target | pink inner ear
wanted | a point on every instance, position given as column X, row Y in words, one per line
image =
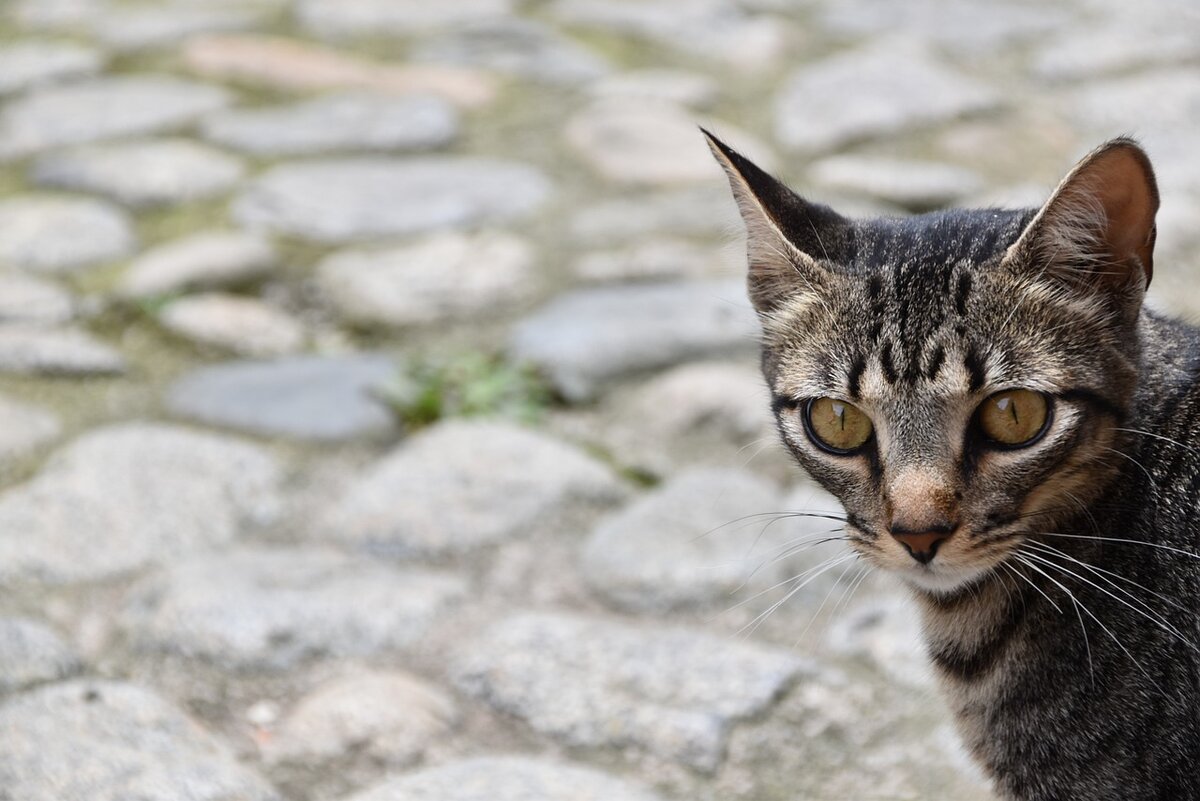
column 1125, row 187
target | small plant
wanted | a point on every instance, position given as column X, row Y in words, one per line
column 466, row 385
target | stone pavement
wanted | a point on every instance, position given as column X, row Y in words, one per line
column 229, row 570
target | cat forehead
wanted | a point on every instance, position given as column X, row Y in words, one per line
column 956, row 236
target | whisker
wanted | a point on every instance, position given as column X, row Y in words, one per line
column 1121, row 540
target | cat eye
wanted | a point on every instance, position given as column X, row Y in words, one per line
column 1015, row 417
column 836, row 426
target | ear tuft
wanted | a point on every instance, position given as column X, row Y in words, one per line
column 1097, row 229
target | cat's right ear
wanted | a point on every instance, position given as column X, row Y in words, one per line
column 785, row 234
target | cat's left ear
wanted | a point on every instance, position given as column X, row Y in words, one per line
column 1097, row 229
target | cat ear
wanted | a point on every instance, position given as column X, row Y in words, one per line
column 1097, row 229
column 785, row 233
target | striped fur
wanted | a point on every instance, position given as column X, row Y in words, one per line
column 1061, row 615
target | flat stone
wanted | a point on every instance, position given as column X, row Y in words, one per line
column 349, row 199
column 446, row 276
column 320, row 398
column 885, row 631
column 683, row 212
column 712, row 29
column 256, row 609
column 506, row 778
column 25, row 429
column 56, row 351
column 657, row 259
column 394, row 17
column 445, row 490
column 25, row 65
column 51, row 14
column 104, row 108
column 144, row 173
column 389, row 717
column 31, row 653
column 129, row 29
column 913, row 185
column 585, row 338
column 897, row 86
column 652, row 143
column 341, row 122
column 28, row 300
column 244, row 326
column 108, row 741
column 62, row 235
column 1111, row 49
column 677, row 87
column 204, row 260
column 674, row 692
column 126, row 496
column 290, row 65
column 518, row 47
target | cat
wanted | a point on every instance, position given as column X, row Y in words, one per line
column 1015, row 436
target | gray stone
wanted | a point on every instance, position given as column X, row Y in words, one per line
column 914, row 185
column 394, row 17
column 141, row 28
column 105, row 108
column 205, row 260
column 244, row 326
column 678, row 87
column 653, row 143
column 695, row 212
column 708, row 28
column 587, row 337
column 56, row 351
column 25, row 65
column 32, row 654
column 24, row 429
column 107, row 741
column 50, row 14
column 1112, row 49
column 674, row 692
column 25, row 299
column 349, row 199
column 254, row 608
column 321, row 398
column 510, row 778
column 144, row 173
column 390, row 717
column 657, row 259
column 692, row 542
column 126, row 496
column 446, row 276
column 896, row 86
column 515, row 47
column 886, row 632
column 62, row 235
column 338, row 122
column 448, row 491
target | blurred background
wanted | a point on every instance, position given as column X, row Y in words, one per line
column 379, row 408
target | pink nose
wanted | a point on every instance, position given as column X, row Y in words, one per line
column 924, row 545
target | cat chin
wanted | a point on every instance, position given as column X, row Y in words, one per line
column 941, row 580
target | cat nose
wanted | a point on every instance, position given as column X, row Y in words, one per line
column 923, row 545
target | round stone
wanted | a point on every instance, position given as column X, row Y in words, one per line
column 394, row 17
column 446, row 276
column 652, row 143
column 344, row 200
column 32, row 654
column 240, row 325
column 107, row 741
column 673, row 87
column 144, row 173
column 28, row 64
column 506, row 779
column 204, row 260
column 272, row 609
column 341, row 122
column 445, row 491
column 658, row 258
column 25, row 299
column 62, row 235
column 319, row 398
column 105, row 108
column 389, row 717
column 516, row 47
column 129, row 29
column 56, row 351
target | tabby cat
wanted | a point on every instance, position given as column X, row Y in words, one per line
column 1016, row 437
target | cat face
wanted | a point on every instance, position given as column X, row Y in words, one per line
column 955, row 379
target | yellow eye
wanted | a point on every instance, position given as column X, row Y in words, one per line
column 836, row 425
column 1014, row 417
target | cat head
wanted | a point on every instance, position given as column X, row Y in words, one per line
column 954, row 378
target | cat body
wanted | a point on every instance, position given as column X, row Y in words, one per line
column 1018, row 439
